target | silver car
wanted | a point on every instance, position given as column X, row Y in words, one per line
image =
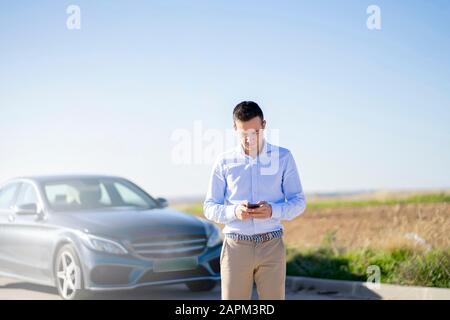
column 97, row 233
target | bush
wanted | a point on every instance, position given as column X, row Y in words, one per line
column 402, row 266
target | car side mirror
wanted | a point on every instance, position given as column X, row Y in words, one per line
column 26, row 210
column 163, row 203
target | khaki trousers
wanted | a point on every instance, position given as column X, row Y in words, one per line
column 243, row 261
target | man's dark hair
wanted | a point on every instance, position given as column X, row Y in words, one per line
column 247, row 110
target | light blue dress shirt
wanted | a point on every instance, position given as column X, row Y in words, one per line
column 272, row 176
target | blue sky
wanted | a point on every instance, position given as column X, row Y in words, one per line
column 359, row 109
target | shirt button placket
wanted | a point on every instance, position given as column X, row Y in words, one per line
column 254, row 165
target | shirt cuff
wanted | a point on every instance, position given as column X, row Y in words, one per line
column 230, row 212
column 276, row 210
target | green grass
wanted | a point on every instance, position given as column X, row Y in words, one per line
column 197, row 209
column 401, row 266
column 420, row 198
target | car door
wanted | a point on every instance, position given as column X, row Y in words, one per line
column 28, row 237
column 8, row 193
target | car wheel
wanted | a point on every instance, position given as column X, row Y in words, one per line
column 69, row 275
column 202, row 285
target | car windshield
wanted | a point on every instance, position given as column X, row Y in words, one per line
column 83, row 194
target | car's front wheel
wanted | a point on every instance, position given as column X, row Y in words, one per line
column 202, row 285
column 69, row 275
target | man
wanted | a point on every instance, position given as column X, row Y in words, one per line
column 253, row 188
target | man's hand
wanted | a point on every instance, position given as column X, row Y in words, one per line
column 241, row 211
column 263, row 212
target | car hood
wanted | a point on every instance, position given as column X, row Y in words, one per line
column 133, row 224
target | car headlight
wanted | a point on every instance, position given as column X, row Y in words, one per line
column 104, row 245
column 213, row 233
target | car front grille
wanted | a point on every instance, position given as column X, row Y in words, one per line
column 170, row 247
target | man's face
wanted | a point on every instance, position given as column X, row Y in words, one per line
column 251, row 133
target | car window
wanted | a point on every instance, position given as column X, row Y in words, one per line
column 27, row 195
column 84, row 194
column 75, row 195
column 129, row 197
column 7, row 194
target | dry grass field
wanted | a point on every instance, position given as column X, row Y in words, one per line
column 377, row 226
column 379, row 220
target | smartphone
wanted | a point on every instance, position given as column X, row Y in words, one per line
column 253, row 205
